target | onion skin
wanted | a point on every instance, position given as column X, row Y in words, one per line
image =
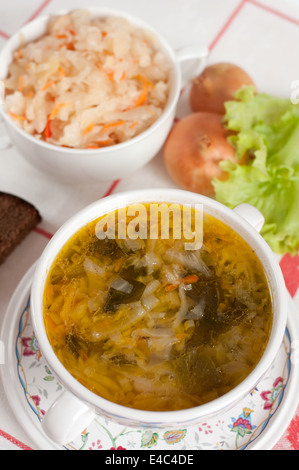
column 193, row 150
column 216, row 85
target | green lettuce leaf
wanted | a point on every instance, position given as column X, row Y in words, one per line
column 266, row 137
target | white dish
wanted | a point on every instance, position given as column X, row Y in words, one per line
column 75, row 408
column 31, row 387
column 116, row 161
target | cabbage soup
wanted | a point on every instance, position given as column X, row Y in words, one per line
column 149, row 325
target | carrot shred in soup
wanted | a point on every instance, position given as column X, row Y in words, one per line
column 149, row 325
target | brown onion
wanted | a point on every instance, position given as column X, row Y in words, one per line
column 216, row 85
column 193, row 150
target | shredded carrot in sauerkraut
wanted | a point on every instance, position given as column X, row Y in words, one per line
column 56, row 109
column 107, row 127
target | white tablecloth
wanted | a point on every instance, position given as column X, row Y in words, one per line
column 261, row 36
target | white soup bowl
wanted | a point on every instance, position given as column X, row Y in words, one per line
column 77, row 406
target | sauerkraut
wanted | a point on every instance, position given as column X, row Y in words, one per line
column 88, row 83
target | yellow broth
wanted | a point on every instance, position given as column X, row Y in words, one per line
column 150, row 325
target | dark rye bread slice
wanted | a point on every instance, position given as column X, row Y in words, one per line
column 17, row 219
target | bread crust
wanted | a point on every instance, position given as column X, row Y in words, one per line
column 17, row 219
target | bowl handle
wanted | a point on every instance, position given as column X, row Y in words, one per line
column 196, row 57
column 252, row 215
column 66, row 418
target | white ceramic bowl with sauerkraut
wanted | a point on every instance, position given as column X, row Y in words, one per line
column 90, row 94
column 78, row 405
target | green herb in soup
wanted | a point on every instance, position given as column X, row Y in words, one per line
column 150, row 325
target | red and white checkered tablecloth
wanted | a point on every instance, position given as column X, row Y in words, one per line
column 260, row 35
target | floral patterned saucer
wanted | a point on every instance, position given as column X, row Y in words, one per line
column 257, row 422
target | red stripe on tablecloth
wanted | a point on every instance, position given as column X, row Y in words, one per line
column 227, row 24
column 32, row 17
column 14, row 441
column 290, row 270
column 112, row 188
column 4, row 35
column 274, row 12
column 43, row 232
column 39, row 10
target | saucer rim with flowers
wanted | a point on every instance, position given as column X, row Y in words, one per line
column 14, row 388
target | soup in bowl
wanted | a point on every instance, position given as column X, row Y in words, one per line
column 157, row 308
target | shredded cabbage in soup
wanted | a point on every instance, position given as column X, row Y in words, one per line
column 149, row 325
